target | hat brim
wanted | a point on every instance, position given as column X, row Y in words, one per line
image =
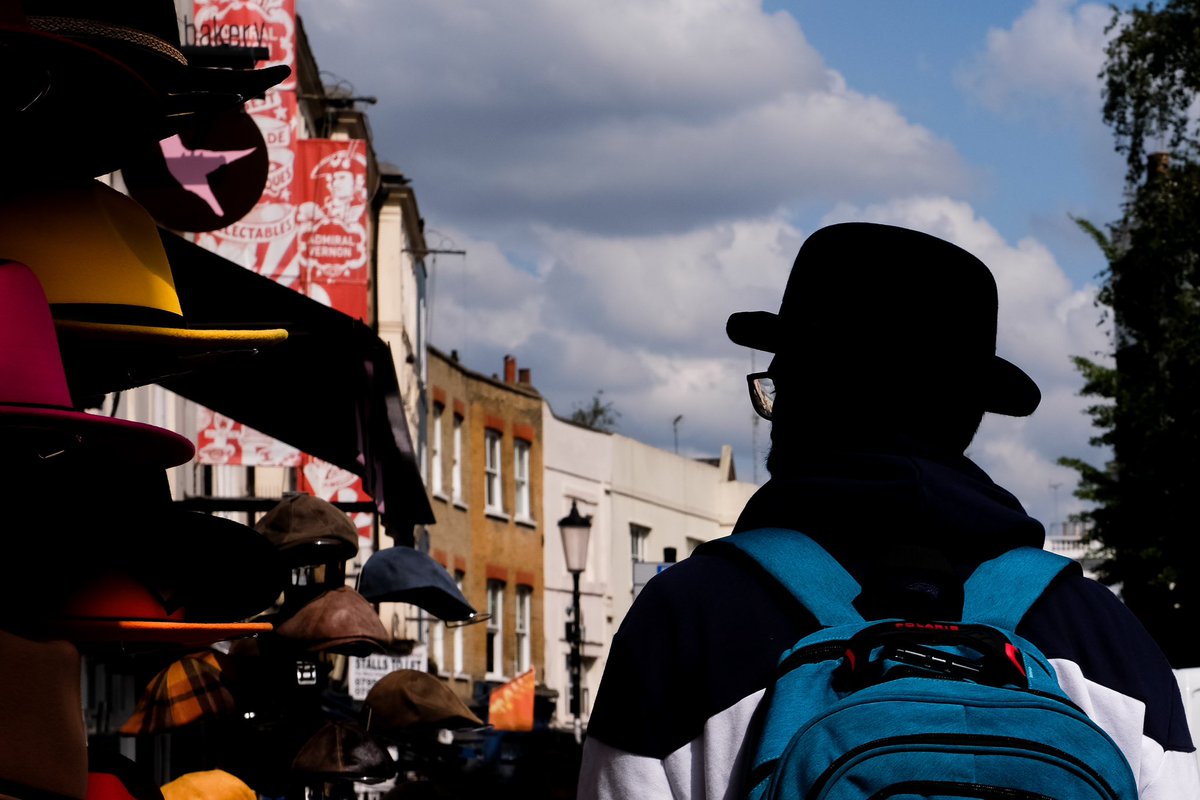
column 198, row 338
column 1006, row 388
column 121, row 441
column 137, row 631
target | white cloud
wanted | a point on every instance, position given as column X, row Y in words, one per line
column 628, row 116
column 1049, row 59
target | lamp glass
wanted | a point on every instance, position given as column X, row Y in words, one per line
column 575, row 545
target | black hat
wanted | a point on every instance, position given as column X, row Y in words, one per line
column 342, row 750
column 891, row 299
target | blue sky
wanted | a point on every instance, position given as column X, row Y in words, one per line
column 624, row 175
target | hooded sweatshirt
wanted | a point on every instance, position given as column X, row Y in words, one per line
column 674, row 716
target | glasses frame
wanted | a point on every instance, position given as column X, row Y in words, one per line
column 762, row 402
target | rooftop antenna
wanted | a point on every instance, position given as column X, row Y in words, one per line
column 675, row 427
column 754, row 428
column 1053, row 522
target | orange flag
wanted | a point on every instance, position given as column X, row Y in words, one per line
column 510, row 707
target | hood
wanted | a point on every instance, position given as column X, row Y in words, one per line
column 860, row 506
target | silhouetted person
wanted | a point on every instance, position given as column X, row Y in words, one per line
column 884, row 365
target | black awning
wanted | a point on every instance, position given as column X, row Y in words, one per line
column 330, row 390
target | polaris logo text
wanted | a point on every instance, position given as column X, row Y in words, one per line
column 927, row 626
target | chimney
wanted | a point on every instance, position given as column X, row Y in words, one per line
column 510, row 369
column 523, row 375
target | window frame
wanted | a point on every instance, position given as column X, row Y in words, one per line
column 494, row 650
column 456, row 483
column 435, row 452
column 493, row 475
column 522, row 492
column 524, row 628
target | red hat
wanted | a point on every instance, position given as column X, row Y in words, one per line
column 35, row 404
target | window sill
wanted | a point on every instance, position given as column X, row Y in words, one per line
column 526, row 522
column 460, row 503
column 461, row 676
column 440, row 496
column 492, row 676
column 497, row 513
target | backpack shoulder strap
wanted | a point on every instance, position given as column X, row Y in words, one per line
column 805, row 569
column 1001, row 591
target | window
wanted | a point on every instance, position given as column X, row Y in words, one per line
column 521, row 478
column 458, row 630
column 491, row 469
column 456, row 464
column 638, row 534
column 435, row 450
column 495, row 628
column 524, row 625
column 439, row 645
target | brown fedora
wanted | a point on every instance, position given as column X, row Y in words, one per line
column 409, row 700
column 338, row 621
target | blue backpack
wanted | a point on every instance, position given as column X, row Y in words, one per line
column 900, row 709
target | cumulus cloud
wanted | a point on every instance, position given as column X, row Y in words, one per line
column 1047, row 62
column 621, row 117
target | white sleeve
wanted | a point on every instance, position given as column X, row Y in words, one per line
column 707, row 768
column 1161, row 774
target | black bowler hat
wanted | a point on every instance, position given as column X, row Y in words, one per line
column 896, row 302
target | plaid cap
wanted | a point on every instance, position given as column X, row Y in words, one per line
column 182, row 693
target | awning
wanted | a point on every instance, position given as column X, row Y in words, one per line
column 330, row 390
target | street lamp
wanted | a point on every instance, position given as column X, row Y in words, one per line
column 575, row 529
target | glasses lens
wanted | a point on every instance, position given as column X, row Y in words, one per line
column 762, row 393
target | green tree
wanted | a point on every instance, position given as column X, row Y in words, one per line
column 1147, row 407
column 597, row 415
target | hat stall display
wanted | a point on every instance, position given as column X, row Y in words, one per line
column 43, row 742
column 409, row 701
column 102, row 265
column 340, row 621
column 309, row 531
column 406, row 575
column 904, row 298
column 36, row 408
column 343, row 751
column 213, row 784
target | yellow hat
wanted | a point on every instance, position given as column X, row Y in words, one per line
column 213, row 784
column 102, row 265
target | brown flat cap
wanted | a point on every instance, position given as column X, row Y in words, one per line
column 343, row 750
column 308, row 530
column 340, row 621
column 409, row 700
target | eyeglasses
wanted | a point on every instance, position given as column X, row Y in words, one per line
column 762, row 392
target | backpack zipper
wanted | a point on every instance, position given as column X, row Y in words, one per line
column 1010, row 742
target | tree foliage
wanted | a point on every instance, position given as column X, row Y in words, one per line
column 597, row 415
column 1147, row 407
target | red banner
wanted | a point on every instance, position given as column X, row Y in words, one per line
column 331, row 219
column 510, row 707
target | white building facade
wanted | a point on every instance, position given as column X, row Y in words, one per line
column 648, row 506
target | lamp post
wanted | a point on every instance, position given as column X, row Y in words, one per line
column 575, row 529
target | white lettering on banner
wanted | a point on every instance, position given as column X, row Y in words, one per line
column 365, row 672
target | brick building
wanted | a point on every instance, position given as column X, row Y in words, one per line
column 484, row 478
